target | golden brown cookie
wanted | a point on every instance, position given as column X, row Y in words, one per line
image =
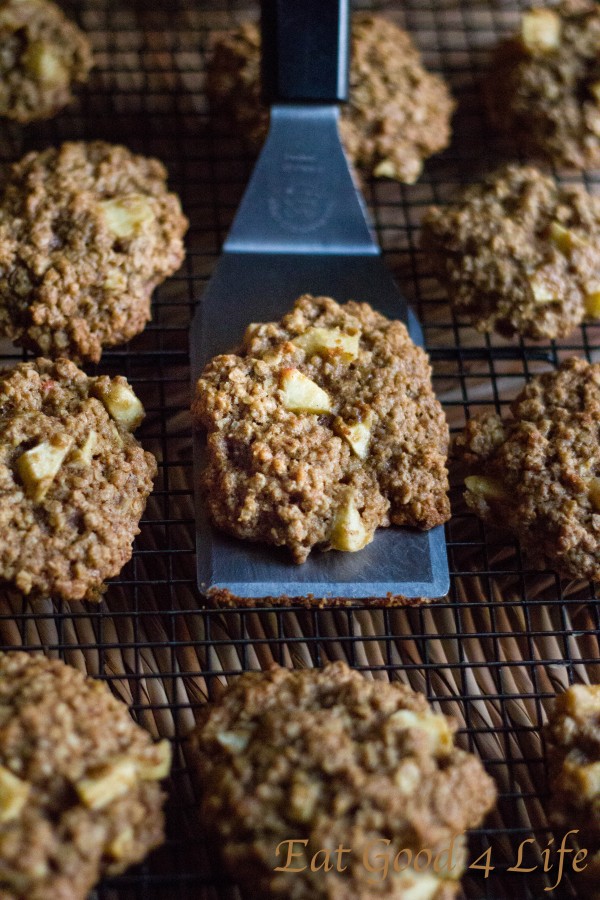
column 79, row 781
column 573, row 734
column 43, row 55
column 398, row 113
column 518, row 253
column 544, row 83
column 322, row 428
column 73, row 479
column 87, row 231
column 537, row 472
column 325, row 758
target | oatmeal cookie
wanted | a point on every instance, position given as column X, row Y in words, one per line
column 573, row 734
column 87, row 231
column 43, row 55
column 73, row 479
column 398, row 114
column 519, row 254
column 328, row 758
column 544, row 83
column 538, row 472
column 321, row 428
column 79, row 791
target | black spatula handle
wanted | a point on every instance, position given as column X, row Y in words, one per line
column 305, row 50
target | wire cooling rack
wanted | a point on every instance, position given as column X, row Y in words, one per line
column 507, row 638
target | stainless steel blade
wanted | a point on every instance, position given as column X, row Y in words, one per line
column 302, row 228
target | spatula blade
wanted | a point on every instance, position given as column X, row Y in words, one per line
column 400, row 564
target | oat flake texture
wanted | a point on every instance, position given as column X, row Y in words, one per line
column 43, row 55
column 285, row 477
column 87, row 231
column 61, row 734
column 327, row 756
column 68, row 541
column 518, row 254
column 537, row 472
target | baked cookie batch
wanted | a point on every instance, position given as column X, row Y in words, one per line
column 321, row 428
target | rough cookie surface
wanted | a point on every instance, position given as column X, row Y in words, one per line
column 573, row 734
column 544, row 84
column 87, row 231
column 79, row 792
column 43, row 55
column 398, row 113
column 519, row 254
column 538, row 472
column 326, row 756
column 323, row 427
column 73, row 479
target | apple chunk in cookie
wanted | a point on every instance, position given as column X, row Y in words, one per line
column 321, row 428
column 73, row 478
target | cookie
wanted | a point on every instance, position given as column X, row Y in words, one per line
column 73, row 479
column 398, row 114
column 573, row 734
column 324, row 758
column 544, row 84
column 321, row 428
column 87, row 231
column 79, row 791
column 518, row 254
column 537, row 472
column 43, row 55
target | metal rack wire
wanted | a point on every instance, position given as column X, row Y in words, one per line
column 507, row 637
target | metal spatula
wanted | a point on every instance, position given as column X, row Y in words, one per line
column 302, row 228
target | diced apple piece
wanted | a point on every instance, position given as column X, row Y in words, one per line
column 122, row 404
column 542, row 291
column 115, row 780
column 156, row 771
column 125, row 215
column 594, row 493
column 434, row 725
column 39, row 466
column 84, row 454
column 419, row 885
column 115, row 280
column 120, row 846
column 301, row 394
column 580, row 700
column 357, row 435
column 44, row 64
column 329, row 340
column 489, row 488
column 592, row 304
column 385, row 169
column 564, row 239
column 13, row 795
column 540, row 31
column 234, row 741
column 585, row 779
column 348, row 532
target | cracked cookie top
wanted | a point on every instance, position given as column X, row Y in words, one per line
column 43, row 55
column 79, row 791
column 327, row 757
column 321, row 428
column 73, row 479
column 398, row 114
column 87, row 231
column 518, row 253
column 537, row 472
